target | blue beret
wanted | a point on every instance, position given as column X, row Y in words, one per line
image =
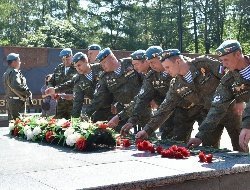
column 153, row 51
column 94, row 47
column 138, row 55
column 65, row 52
column 103, row 54
column 169, row 53
column 78, row 56
column 227, row 47
column 12, row 56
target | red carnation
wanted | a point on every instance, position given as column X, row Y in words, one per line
column 140, row 146
column 81, row 143
column 159, row 149
column 202, row 157
column 126, row 142
column 66, row 124
column 49, row 136
column 209, row 158
column 103, row 125
column 152, row 149
column 137, row 141
column 146, row 145
column 15, row 131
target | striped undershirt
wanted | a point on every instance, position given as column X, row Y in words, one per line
column 89, row 76
column 164, row 73
column 245, row 73
column 188, row 77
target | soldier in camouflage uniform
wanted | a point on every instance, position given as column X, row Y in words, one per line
column 84, row 86
column 118, row 84
column 93, row 51
column 141, row 66
column 196, row 82
column 15, row 87
column 62, row 73
column 234, row 86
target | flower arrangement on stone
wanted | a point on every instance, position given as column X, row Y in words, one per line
column 82, row 135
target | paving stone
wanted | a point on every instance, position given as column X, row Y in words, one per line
column 21, row 182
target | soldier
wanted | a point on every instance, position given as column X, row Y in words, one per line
column 15, row 87
column 196, row 82
column 84, row 85
column 93, row 51
column 62, row 73
column 118, row 84
column 234, row 86
column 141, row 66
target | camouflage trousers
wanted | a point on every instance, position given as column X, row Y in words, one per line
column 15, row 107
column 179, row 125
column 64, row 108
column 231, row 122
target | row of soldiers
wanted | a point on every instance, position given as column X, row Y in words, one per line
column 184, row 91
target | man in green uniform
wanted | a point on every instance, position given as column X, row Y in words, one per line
column 234, row 86
column 15, row 87
column 93, row 51
column 84, row 86
column 141, row 66
column 118, row 84
column 195, row 81
column 62, row 73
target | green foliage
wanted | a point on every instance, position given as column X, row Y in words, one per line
column 128, row 25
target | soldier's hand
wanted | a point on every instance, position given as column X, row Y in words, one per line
column 239, row 108
column 141, row 135
column 113, row 109
column 194, row 142
column 126, row 128
column 244, row 139
column 50, row 91
column 114, row 121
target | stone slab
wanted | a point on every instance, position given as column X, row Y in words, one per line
column 63, row 168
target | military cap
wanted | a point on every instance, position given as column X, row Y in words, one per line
column 94, row 47
column 138, row 55
column 169, row 53
column 12, row 56
column 65, row 52
column 78, row 56
column 153, row 51
column 227, row 47
column 103, row 54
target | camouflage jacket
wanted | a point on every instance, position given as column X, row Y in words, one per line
column 155, row 86
column 206, row 76
column 232, row 87
column 83, row 87
column 14, row 78
column 59, row 76
column 113, row 88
